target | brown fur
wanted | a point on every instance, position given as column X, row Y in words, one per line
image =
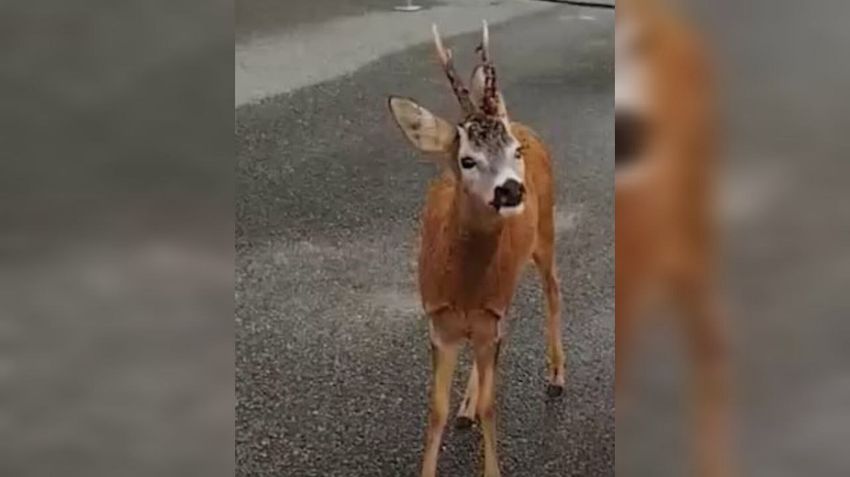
column 467, row 268
column 468, row 271
column 664, row 227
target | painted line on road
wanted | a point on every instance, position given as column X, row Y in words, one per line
column 304, row 56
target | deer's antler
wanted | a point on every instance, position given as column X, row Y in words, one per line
column 490, row 96
column 457, row 85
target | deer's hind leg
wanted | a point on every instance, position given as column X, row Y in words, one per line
column 467, row 412
column 544, row 259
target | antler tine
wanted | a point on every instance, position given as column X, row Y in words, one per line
column 445, row 57
column 484, row 47
column 460, row 91
column 490, row 97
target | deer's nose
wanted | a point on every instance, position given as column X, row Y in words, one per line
column 630, row 132
column 508, row 194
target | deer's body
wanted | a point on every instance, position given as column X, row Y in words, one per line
column 485, row 217
column 665, row 247
column 470, row 265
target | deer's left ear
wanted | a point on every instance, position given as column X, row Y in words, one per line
column 477, row 91
column 422, row 128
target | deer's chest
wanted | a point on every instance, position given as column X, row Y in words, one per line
column 472, row 271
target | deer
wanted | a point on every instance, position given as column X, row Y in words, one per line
column 488, row 214
column 665, row 248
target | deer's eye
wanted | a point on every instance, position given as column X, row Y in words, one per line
column 467, row 162
column 518, row 154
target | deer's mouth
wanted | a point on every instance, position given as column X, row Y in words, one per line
column 511, row 211
column 507, row 210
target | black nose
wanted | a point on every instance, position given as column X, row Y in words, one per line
column 508, row 194
column 630, row 133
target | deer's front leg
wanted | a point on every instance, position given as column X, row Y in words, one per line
column 544, row 259
column 486, row 343
column 443, row 359
column 705, row 328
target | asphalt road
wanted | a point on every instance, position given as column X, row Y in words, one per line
column 332, row 348
column 259, row 17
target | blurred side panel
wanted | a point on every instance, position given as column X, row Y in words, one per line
column 780, row 230
column 116, row 238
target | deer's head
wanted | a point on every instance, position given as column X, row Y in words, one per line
column 480, row 150
column 633, row 44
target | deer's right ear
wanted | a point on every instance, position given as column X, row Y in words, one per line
column 422, row 128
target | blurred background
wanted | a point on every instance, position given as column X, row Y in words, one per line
column 783, row 209
column 116, row 238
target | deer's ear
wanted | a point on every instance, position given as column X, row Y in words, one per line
column 422, row 128
column 476, row 91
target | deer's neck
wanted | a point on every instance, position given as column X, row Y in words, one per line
column 469, row 257
column 478, row 234
column 473, row 218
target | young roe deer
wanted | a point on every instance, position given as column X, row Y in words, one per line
column 487, row 215
column 664, row 232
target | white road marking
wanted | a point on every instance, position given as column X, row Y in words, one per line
column 310, row 54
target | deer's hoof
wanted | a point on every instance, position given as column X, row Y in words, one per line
column 463, row 422
column 554, row 390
